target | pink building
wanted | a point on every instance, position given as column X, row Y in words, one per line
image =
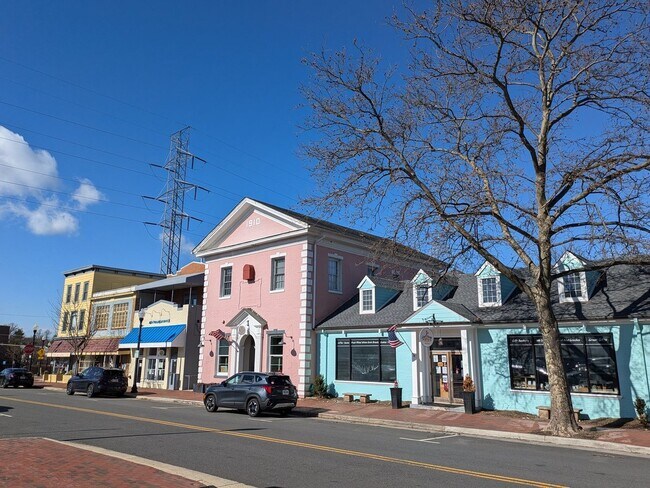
column 271, row 275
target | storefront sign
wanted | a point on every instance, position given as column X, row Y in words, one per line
column 426, row 337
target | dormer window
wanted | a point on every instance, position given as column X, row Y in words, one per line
column 367, row 301
column 421, row 295
column 489, row 291
column 422, row 289
column 494, row 289
column 572, row 286
column 577, row 285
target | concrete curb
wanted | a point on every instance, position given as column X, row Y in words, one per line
column 584, row 444
column 204, row 478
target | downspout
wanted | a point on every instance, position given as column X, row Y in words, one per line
column 643, row 354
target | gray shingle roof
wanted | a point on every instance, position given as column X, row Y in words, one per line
column 348, row 316
column 622, row 292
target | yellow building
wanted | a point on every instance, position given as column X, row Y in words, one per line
column 80, row 320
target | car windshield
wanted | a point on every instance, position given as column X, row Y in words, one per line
column 278, row 380
column 113, row 373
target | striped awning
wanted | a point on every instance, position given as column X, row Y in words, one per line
column 158, row 336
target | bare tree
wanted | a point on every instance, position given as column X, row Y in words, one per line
column 518, row 130
column 77, row 327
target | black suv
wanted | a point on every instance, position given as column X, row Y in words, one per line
column 16, row 377
column 253, row 392
column 96, row 380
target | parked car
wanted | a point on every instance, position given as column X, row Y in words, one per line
column 16, row 377
column 253, row 392
column 96, row 380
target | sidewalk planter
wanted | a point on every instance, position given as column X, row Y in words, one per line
column 469, row 402
column 65, row 378
column 396, row 397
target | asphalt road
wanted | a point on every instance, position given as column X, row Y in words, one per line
column 296, row 452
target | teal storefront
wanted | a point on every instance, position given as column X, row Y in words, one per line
column 607, row 367
column 364, row 362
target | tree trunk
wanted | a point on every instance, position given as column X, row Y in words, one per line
column 562, row 423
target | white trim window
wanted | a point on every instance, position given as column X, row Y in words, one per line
column 422, row 295
column 74, row 325
column 489, row 291
column 221, row 360
column 226, row 282
column 367, row 301
column 277, row 274
column 334, row 275
column 276, row 351
column 573, row 287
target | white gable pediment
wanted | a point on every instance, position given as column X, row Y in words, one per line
column 249, row 221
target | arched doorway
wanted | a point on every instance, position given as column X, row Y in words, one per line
column 248, row 354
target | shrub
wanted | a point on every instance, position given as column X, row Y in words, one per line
column 642, row 415
column 320, row 387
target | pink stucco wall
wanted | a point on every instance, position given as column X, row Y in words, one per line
column 281, row 309
column 255, row 226
column 355, row 268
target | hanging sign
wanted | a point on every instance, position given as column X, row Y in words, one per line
column 426, row 337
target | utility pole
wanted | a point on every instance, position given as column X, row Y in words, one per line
column 173, row 196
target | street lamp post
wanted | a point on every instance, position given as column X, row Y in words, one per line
column 31, row 356
column 134, row 388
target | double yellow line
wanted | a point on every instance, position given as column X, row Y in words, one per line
column 305, row 445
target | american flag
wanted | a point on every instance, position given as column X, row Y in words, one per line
column 392, row 337
column 218, row 334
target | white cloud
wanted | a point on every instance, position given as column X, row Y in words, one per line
column 27, row 173
column 86, row 194
column 46, row 219
column 22, row 167
column 187, row 245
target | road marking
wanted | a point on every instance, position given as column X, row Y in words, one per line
column 316, row 447
column 429, row 440
column 4, row 415
column 169, row 408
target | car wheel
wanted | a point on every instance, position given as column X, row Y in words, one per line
column 69, row 390
column 210, row 403
column 253, row 407
column 90, row 392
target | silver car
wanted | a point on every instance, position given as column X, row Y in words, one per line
column 253, row 392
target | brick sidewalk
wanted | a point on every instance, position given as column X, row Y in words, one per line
column 32, row 462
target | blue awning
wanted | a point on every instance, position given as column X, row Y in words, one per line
column 158, row 336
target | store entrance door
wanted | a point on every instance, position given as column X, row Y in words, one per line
column 447, row 376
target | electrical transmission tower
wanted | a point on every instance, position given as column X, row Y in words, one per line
column 173, row 196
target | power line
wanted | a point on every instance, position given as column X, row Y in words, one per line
column 90, row 90
column 107, row 188
column 74, row 210
column 217, row 139
column 98, row 200
column 24, row 129
column 86, row 126
column 56, row 151
column 77, row 104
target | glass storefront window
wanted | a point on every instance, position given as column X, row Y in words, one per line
column 369, row 359
column 589, row 362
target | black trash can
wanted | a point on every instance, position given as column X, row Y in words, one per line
column 396, row 397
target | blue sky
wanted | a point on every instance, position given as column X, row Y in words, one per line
column 89, row 95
